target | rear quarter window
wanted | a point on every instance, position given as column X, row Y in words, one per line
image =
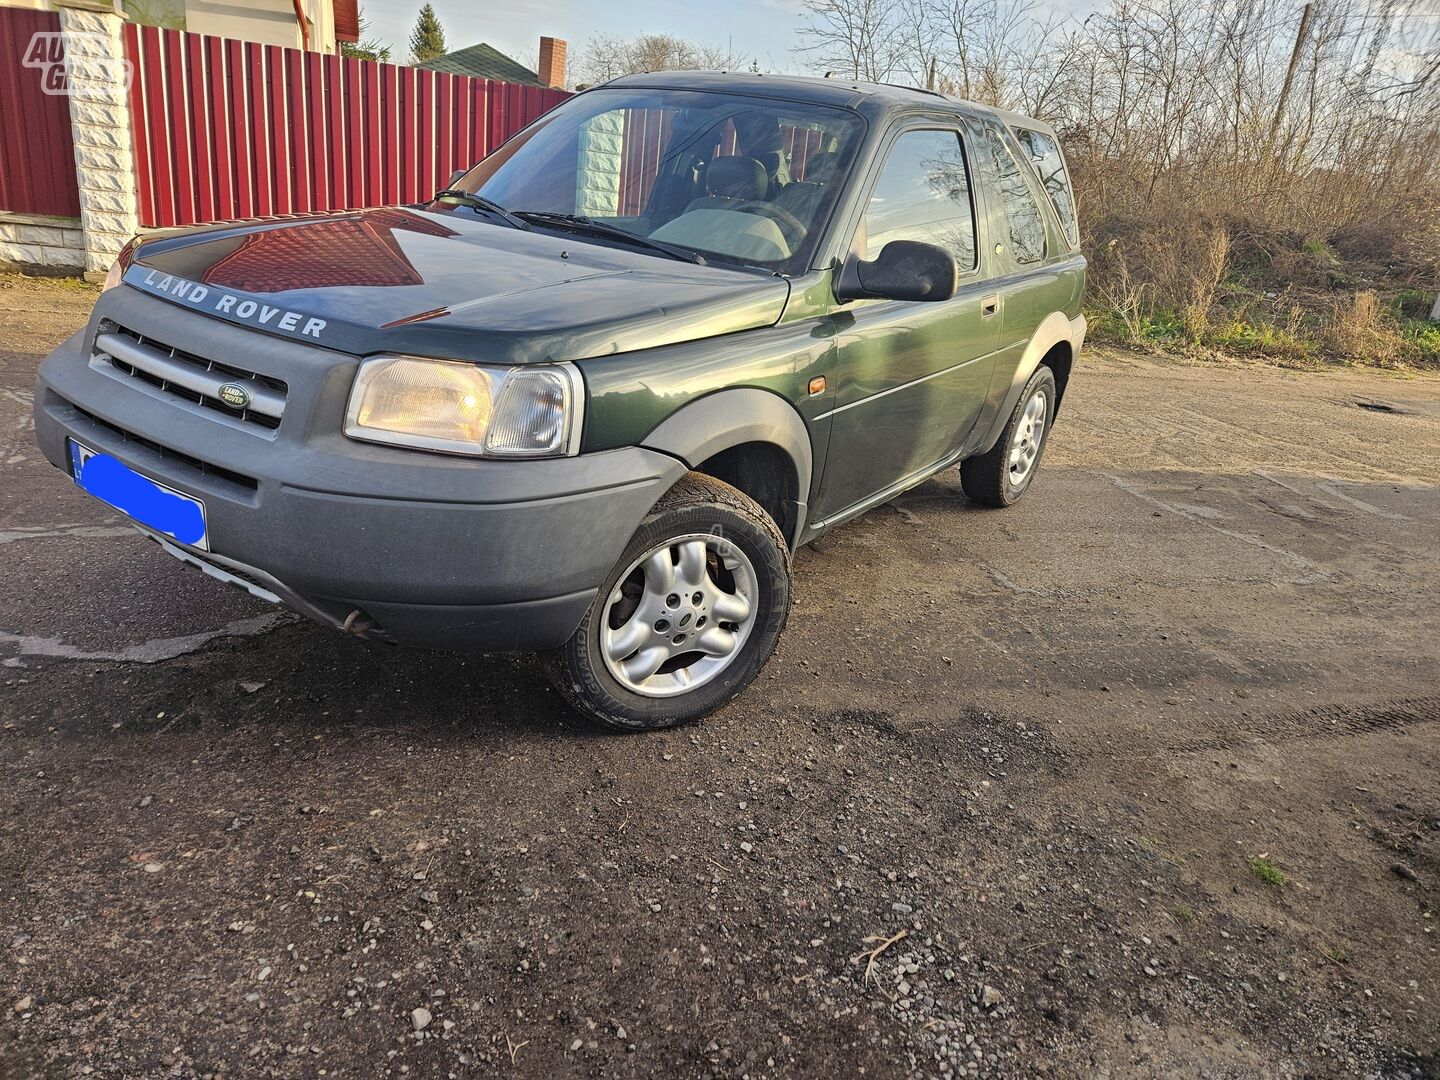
column 1022, row 213
column 1044, row 154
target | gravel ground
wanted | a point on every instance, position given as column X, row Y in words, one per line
column 1135, row 778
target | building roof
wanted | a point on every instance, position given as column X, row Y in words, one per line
column 482, row 61
column 347, row 20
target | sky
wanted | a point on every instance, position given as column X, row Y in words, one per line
column 765, row 29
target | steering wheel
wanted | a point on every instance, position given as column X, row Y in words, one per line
column 791, row 227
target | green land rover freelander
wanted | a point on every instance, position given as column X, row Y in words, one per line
column 590, row 399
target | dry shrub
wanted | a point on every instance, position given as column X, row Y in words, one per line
column 1304, row 266
column 1124, row 296
column 1406, row 244
column 1169, row 263
column 1358, row 327
column 1369, row 241
column 1212, row 259
column 1290, row 266
column 1288, row 151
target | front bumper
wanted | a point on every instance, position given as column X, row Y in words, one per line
column 413, row 547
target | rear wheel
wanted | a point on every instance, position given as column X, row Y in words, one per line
column 688, row 616
column 1001, row 476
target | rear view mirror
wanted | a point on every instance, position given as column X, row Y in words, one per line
column 904, row 270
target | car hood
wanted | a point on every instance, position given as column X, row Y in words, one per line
column 449, row 285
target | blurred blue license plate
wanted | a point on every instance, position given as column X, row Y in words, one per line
column 151, row 504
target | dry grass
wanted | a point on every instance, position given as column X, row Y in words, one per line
column 1359, row 329
column 1184, row 280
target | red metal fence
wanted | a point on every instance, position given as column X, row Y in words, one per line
column 230, row 129
column 37, row 154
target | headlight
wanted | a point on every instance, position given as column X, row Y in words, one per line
column 464, row 408
column 122, row 262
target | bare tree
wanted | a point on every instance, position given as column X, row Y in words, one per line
column 606, row 57
column 1189, row 125
column 855, row 39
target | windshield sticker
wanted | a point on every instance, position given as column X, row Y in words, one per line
column 226, row 304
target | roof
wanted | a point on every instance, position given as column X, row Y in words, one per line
column 482, row 61
column 843, row 92
column 347, row 20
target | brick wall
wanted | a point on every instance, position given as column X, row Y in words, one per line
column 597, row 177
column 551, row 68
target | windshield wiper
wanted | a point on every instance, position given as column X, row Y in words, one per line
column 469, row 198
column 580, row 223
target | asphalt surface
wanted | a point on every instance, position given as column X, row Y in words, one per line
column 1143, row 768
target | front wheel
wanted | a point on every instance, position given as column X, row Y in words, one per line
column 1001, row 476
column 688, row 616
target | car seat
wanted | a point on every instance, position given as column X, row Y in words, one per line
column 803, row 198
column 731, row 180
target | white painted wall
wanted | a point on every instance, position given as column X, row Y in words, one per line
column 271, row 22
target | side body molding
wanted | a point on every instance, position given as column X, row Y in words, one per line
column 730, row 418
column 1055, row 328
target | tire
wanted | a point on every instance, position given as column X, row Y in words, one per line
column 989, row 478
column 732, row 529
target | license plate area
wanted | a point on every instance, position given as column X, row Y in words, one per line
column 146, row 501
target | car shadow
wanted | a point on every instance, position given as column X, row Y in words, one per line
column 304, row 680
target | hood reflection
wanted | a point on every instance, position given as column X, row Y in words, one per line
column 356, row 250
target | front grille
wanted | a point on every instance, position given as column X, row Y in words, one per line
column 239, row 479
column 191, row 378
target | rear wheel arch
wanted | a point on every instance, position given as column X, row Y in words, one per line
column 1060, row 359
column 1055, row 332
column 753, row 440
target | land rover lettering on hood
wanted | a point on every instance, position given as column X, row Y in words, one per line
column 588, row 399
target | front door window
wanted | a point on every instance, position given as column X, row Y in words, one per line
column 923, row 194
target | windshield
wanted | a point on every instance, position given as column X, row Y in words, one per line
column 736, row 179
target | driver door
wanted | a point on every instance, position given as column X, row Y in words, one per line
column 911, row 377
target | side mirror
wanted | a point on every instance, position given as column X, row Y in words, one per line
column 456, row 175
column 904, row 270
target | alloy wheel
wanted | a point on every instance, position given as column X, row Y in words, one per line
column 1025, row 443
column 679, row 616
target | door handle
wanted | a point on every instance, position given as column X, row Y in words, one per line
column 989, row 305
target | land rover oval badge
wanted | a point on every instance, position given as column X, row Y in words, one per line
column 234, row 395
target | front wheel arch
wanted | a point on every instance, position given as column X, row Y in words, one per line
column 750, row 438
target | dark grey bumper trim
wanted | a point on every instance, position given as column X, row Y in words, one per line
column 215, row 566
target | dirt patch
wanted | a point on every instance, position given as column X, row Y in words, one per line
column 1029, row 762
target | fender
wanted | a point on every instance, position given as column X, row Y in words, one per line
column 1055, row 328
column 728, row 418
